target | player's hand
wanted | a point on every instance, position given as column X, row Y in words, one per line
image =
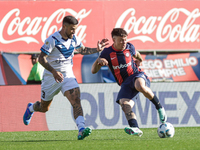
column 102, row 62
column 101, row 45
column 58, row 76
column 138, row 62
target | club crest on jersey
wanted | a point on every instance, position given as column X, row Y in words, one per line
column 127, row 54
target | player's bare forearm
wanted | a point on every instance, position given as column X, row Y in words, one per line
column 86, row 50
column 138, row 56
column 95, row 67
column 44, row 63
column 58, row 76
column 100, row 46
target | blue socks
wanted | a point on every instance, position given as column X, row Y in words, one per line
column 156, row 102
column 133, row 123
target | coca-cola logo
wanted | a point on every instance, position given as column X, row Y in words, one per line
column 161, row 26
column 28, row 27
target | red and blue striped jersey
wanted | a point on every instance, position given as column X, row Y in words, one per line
column 121, row 62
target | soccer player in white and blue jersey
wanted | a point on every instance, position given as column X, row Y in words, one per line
column 56, row 57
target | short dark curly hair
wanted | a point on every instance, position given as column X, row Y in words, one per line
column 70, row 20
column 119, row 32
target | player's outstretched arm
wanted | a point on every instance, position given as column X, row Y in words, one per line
column 95, row 67
column 86, row 50
column 138, row 58
column 100, row 46
column 97, row 64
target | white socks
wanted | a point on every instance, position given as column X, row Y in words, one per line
column 80, row 122
column 31, row 108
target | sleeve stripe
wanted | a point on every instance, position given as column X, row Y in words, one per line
column 79, row 46
column 44, row 51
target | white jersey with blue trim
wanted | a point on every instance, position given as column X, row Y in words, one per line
column 60, row 52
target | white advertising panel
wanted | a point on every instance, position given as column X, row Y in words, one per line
column 180, row 100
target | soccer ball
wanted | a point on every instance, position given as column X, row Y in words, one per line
column 166, row 130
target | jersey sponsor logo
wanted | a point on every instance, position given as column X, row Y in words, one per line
column 60, row 61
column 122, row 66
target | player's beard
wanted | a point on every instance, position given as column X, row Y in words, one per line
column 70, row 36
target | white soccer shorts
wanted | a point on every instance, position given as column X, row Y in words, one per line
column 50, row 88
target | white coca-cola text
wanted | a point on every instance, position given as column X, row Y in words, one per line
column 27, row 28
column 162, row 26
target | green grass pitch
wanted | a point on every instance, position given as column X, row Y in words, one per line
column 185, row 138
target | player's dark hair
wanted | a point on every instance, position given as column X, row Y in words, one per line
column 119, row 32
column 70, row 20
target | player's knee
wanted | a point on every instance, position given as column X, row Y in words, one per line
column 140, row 85
column 127, row 105
column 142, row 89
column 126, row 108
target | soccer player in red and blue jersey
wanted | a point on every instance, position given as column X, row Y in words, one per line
column 124, row 61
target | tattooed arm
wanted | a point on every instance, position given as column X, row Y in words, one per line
column 58, row 76
column 100, row 46
column 86, row 50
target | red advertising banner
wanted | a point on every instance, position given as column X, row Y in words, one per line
column 25, row 25
column 14, row 105
column 176, row 26
column 172, row 68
